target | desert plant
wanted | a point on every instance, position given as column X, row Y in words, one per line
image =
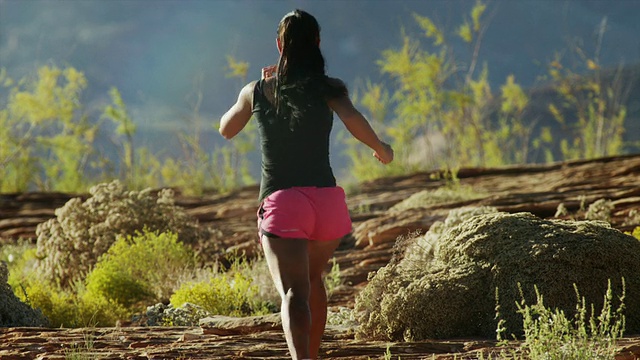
column 344, row 317
column 438, row 288
column 69, row 245
column 596, row 105
column 422, row 249
column 600, row 210
column 186, row 315
column 83, row 350
column 118, row 114
column 48, row 143
column 333, row 280
column 20, row 258
column 231, row 292
column 552, row 334
column 69, row 307
column 45, row 142
column 145, row 267
column 387, row 353
column 443, row 113
column 223, row 169
column 632, row 218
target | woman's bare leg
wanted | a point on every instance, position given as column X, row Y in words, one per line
column 288, row 261
column 319, row 254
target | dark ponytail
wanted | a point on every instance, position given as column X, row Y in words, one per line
column 301, row 80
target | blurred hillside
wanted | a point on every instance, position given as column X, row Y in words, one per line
column 162, row 55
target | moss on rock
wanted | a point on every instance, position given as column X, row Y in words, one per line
column 451, row 292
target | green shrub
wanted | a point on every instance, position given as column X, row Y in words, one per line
column 70, row 244
column 333, row 280
column 146, row 267
column 230, row 293
column 65, row 308
column 62, row 307
column 46, row 141
column 549, row 334
column 57, row 305
column 20, row 258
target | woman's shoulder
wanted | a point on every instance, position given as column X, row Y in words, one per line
column 247, row 91
column 336, row 88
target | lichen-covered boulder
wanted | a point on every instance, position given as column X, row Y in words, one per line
column 444, row 286
column 13, row 312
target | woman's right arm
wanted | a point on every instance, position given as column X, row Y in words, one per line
column 236, row 118
column 360, row 128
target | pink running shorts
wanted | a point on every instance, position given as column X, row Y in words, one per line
column 314, row 213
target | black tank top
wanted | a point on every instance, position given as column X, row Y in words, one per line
column 293, row 157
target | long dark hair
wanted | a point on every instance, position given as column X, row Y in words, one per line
column 301, row 79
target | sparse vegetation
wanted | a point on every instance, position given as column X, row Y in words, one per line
column 332, row 280
column 441, row 111
column 143, row 269
column 49, row 143
column 105, row 257
column 600, row 210
column 70, row 244
column 598, row 107
column 140, row 269
column 45, row 139
column 551, row 334
column 83, row 350
column 231, row 292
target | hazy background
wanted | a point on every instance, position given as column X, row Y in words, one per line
column 159, row 53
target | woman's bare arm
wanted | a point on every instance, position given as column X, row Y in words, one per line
column 360, row 128
column 237, row 117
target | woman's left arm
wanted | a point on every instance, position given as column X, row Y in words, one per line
column 235, row 119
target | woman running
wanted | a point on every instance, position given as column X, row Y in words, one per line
column 303, row 213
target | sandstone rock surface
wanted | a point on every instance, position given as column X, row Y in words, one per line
column 538, row 189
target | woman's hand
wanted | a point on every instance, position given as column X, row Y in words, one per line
column 269, row 71
column 385, row 155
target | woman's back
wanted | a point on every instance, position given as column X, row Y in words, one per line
column 293, row 153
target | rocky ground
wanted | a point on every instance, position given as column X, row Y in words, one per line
column 538, row 189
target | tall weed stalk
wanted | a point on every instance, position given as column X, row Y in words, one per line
column 549, row 334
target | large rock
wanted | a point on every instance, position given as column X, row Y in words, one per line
column 13, row 312
column 228, row 325
column 445, row 284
